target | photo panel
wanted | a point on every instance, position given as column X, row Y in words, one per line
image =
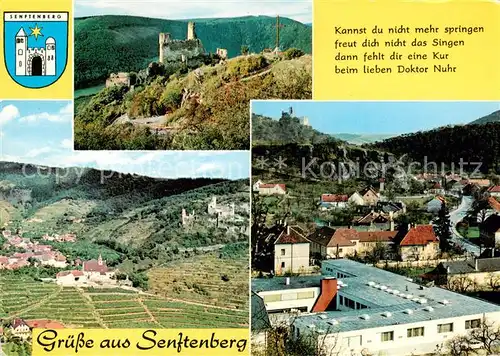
column 152, row 78
column 374, row 225
column 118, row 240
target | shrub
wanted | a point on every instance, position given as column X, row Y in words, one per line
column 292, row 53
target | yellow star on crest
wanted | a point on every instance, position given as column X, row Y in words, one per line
column 36, row 31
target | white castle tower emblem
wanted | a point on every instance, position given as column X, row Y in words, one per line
column 35, row 61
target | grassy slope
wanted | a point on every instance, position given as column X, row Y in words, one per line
column 106, row 44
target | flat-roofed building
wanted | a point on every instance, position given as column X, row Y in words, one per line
column 379, row 312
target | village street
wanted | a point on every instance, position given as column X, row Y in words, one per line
column 457, row 215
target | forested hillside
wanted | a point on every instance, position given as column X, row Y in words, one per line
column 108, row 44
column 129, row 219
column 451, row 144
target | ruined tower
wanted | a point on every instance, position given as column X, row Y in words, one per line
column 191, row 35
column 163, row 39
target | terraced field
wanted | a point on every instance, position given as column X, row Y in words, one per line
column 216, row 281
column 108, row 308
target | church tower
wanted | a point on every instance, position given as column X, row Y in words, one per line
column 50, row 56
column 99, row 260
column 21, row 49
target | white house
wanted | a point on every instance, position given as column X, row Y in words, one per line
column 256, row 185
column 378, row 312
column 70, row 278
column 335, row 201
column 272, row 189
column 356, row 199
column 291, row 252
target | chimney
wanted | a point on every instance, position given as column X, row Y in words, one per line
column 476, row 264
column 287, row 281
column 448, row 269
column 409, row 227
column 392, row 225
column 288, row 229
column 327, row 294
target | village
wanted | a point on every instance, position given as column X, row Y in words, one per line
column 317, row 276
column 19, row 253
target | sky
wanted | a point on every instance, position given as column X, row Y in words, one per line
column 379, row 117
column 299, row 10
column 40, row 132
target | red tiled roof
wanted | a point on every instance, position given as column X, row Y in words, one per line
column 94, row 266
column 291, row 237
column 419, row 235
column 343, row 237
column 480, row 182
column 44, row 324
column 374, row 236
column 494, row 204
column 494, row 189
column 17, row 322
column 332, row 198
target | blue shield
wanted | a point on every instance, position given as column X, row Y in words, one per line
column 36, row 47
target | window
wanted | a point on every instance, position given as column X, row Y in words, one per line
column 20, row 52
column 289, row 296
column 340, row 250
column 387, row 336
column 341, row 300
column 282, row 252
column 415, row 332
column 272, row 298
column 305, row 295
column 353, row 341
column 20, row 64
column 473, row 324
column 282, row 264
column 445, row 328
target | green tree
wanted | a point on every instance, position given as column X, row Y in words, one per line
column 442, row 227
column 245, row 50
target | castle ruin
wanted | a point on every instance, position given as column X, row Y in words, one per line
column 187, row 219
column 187, row 51
column 120, row 78
column 222, row 53
column 222, row 211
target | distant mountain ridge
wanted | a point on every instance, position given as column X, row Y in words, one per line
column 115, row 43
column 493, row 117
column 361, row 139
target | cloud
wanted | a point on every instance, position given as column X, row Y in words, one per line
column 36, row 152
column 300, row 10
column 67, row 109
column 8, row 113
column 67, row 143
column 63, row 115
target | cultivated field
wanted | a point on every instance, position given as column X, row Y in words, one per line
column 108, row 308
column 204, row 279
